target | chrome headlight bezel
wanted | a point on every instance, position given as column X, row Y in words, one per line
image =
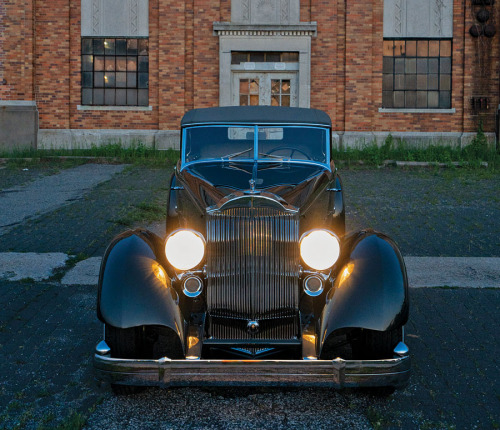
column 187, row 258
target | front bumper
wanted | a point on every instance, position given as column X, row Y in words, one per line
column 337, row 373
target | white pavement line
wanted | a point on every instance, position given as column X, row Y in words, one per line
column 15, row 266
column 85, row 272
column 467, row 272
column 50, row 192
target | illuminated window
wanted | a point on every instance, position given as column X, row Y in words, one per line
column 115, row 72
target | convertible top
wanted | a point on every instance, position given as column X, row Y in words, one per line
column 256, row 115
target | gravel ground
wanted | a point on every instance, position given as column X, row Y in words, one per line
column 48, row 331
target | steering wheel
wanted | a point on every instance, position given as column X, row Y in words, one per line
column 289, row 148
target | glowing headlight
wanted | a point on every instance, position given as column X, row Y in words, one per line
column 319, row 249
column 185, row 249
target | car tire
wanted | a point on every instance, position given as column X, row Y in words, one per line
column 125, row 343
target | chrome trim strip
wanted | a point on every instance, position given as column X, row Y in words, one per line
column 337, row 373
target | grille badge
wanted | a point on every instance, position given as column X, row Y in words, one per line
column 253, row 327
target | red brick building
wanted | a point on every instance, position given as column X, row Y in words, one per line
column 103, row 70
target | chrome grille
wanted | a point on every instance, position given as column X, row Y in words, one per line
column 252, row 263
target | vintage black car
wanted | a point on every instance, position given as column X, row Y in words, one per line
column 256, row 281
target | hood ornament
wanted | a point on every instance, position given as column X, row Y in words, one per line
column 252, row 189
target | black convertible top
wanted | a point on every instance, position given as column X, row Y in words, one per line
column 256, row 115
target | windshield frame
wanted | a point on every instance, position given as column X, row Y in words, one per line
column 255, row 157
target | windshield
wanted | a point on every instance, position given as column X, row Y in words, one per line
column 249, row 143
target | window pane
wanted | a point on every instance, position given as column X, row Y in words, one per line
column 99, row 97
column 411, row 82
column 86, row 46
column 411, row 65
column 257, row 57
column 388, row 65
column 399, row 99
column 399, row 82
column 131, row 64
column 143, row 98
column 87, row 80
column 388, row 48
column 399, row 65
column 445, row 82
column 99, row 79
column 285, row 86
column 445, row 50
column 109, row 97
column 434, row 48
column 98, row 63
column 422, row 99
column 275, row 100
column 143, row 80
column 432, row 82
column 132, row 46
column 98, row 45
column 121, row 64
column 121, row 79
column 399, row 48
column 109, row 46
column 387, row 83
column 290, row 57
column 254, row 100
column 244, row 89
column 422, row 65
column 444, row 99
column 110, row 64
column 143, row 64
column 254, row 86
column 243, row 100
column 423, row 48
column 109, row 80
column 285, row 100
column 239, row 57
column 445, row 65
column 433, row 65
column 422, row 83
column 86, row 97
column 121, row 46
column 131, row 80
column 273, row 57
column 132, row 97
column 433, row 99
column 121, row 97
column 143, row 47
column 411, row 99
column 275, row 86
column 387, row 99
column 411, row 48
column 87, row 62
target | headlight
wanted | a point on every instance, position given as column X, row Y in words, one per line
column 319, row 249
column 185, row 249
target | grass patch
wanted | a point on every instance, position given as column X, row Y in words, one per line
column 143, row 213
column 135, row 154
column 71, row 262
column 471, row 156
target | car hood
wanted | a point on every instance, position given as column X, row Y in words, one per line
column 296, row 184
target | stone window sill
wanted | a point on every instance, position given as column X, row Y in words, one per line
column 406, row 110
column 116, row 108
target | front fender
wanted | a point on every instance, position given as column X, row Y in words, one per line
column 371, row 288
column 134, row 287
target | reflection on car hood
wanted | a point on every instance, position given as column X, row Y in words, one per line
column 296, row 183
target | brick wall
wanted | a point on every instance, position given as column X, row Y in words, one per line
column 346, row 65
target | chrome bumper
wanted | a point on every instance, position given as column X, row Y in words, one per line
column 336, row 373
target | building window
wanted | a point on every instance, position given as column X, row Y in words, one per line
column 115, row 72
column 264, row 57
column 417, row 74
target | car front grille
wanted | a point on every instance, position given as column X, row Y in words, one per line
column 252, row 270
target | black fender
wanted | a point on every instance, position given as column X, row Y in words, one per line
column 134, row 288
column 370, row 290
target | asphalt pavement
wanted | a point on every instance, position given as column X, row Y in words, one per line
column 49, row 252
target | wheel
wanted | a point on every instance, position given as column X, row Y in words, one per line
column 125, row 343
column 376, row 345
column 146, row 342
